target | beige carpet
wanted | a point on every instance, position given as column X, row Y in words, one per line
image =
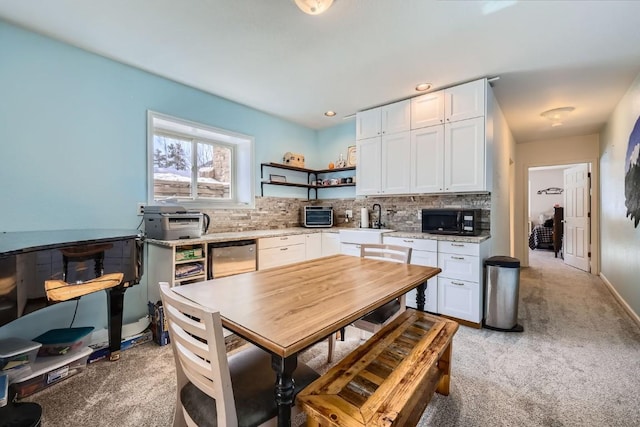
column 576, row 364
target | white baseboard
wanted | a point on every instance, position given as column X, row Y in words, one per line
column 623, row 303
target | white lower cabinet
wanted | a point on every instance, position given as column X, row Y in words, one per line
column 352, row 249
column 313, row 246
column 330, row 244
column 459, row 284
column 423, row 252
column 278, row 251
column 459, row 299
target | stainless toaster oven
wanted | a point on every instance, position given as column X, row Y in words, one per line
column 317, row 216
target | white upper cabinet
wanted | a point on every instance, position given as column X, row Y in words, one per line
column 368, row 172
column 385, row 120
column 464, row 156
column 369, row 123
column 382, row 145
column 427, row 160
column 396, row 157
column 396, row 117
column 427, row 110
column 444, row 152
column 466, row 101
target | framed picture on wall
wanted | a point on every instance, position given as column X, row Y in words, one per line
column 351, row 155
column 277, row 178
column 632, row 176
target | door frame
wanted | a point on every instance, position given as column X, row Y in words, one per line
column 595, row 202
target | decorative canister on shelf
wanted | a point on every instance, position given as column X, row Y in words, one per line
column 293, row 159
column 340, row 163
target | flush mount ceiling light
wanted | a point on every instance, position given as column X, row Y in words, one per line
column 421, row 87
column 314, row 7
column 557, row 115
column 330, row 113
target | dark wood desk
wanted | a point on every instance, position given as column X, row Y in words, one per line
column 284, row 310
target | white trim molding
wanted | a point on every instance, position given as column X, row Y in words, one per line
column 634, row 316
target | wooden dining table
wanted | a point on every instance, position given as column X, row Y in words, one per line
column 285, row 310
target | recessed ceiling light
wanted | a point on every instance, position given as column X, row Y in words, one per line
column 557, row 113
column 423, row 86
column 314, row 7
column 330, row 113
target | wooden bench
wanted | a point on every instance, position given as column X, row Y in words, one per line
column 389, row 380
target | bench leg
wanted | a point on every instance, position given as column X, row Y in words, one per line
column 444, row 364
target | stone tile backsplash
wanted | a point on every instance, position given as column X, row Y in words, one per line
column 400, row 213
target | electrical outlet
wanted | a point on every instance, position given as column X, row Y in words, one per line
column 140, row 210
column 419, row 214
column 349, row 213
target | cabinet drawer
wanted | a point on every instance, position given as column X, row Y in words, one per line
column 459, row 299
column 460, row 248
column 275, row 257
column 350, row 249
column 417, row 244
column 462, row 267
column 276, row 242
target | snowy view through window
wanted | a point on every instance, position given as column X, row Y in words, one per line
column 190, row 169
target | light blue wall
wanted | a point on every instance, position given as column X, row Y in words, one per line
column 331, row 143
column 73, row 148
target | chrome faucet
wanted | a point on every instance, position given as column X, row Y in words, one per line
column 378, row 223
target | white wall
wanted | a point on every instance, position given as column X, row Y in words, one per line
column 577, row 149
column 544, row 203
column 620, row 240
column 502, row 152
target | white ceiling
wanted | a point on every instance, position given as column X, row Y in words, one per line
column 363, row 53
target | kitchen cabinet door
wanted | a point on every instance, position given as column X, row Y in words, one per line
column 427, row 160
column 459, row 299
column 427, row 110
column 464, row 156
column 396, row 117
column 313, row 246
column 369, row 123
column 330, row 244
column 368, row 172
column 385, row 120
column 465, row 101
column 396, row 158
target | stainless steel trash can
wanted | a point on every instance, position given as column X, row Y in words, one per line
column 501, row 291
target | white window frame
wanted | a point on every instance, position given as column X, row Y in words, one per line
column 242, row 193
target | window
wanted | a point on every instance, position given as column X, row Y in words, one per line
column 198, row 166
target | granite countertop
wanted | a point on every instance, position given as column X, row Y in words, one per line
column 259, row 234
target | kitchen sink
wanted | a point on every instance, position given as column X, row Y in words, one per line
column 363, row 235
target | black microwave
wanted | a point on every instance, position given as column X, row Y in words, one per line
column 317, row 216
column 451, row 221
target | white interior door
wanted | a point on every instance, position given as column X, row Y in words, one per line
column 576, row 217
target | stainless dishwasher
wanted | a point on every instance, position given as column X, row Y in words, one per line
column 228, row 258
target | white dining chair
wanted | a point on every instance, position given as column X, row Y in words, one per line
column 213, row 388
column 380, row 317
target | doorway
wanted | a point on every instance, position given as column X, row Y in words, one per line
column 559, row 212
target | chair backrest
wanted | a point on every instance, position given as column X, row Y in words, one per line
column 199, row 350
column 395, row 253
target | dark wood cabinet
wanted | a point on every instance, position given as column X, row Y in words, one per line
column 558, row 229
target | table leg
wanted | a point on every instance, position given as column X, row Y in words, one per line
column 284, row 368
column 420, row 299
